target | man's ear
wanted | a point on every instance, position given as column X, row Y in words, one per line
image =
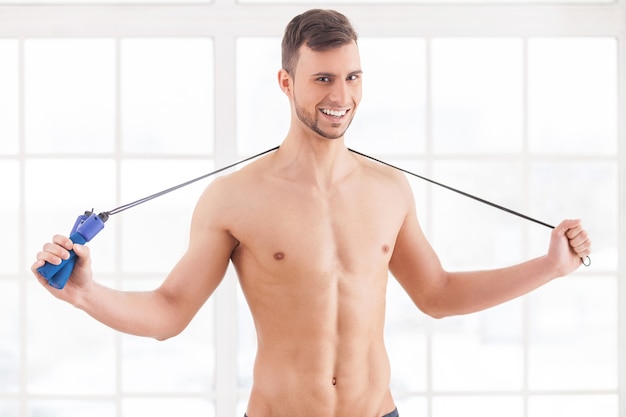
column 285, row 82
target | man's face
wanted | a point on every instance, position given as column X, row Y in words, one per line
column 327, row 89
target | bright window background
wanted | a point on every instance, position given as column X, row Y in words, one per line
column 103, row 117
column 167, row 96
column 9, row 108
column 69, row 106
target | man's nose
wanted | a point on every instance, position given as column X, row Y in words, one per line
column 339, row 93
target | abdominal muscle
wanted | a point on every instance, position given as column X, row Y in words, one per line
column 320, row 346
column 347, row 387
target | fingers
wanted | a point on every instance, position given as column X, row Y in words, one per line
column 577, row 236
column 53, row 252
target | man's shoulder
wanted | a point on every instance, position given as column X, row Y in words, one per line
column 238, row 185
column 244, row 174
column 377, row 169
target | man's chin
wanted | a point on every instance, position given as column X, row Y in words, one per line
column 334, row 135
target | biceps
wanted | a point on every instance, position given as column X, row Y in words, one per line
column 198, row 273
column 415, row 264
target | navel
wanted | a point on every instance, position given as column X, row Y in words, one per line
column 334, row 381
column 279, row 255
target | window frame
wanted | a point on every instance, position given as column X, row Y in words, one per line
column 224, row 21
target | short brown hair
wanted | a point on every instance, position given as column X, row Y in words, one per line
column 319, row 29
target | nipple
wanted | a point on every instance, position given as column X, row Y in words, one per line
column 279, row 255
column 385, row 248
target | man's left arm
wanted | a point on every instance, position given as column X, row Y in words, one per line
column 440, row 293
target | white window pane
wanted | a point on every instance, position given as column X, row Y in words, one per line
column 52, row 206
column 572, row 90
column 262, row 108
column 496, row 236
column 574, row 335
column 69, row 95
column 155, row 234
column 71, row 408
column 68, row 354
column 579, row 190
column 9, row 103
column 167, row 95
column 573, row 406
column 242, row 406
column 9, row 408
column 482, row 351
column 412, row 406
column 484, row 406
column 185, row 363
column 246, row 339
column 477, row 95
column 9, row 338
column 167, row 407
column 405, row 338
column 392, row 117
column 9, row 215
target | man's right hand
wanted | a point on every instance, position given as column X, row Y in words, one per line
column 55, row 252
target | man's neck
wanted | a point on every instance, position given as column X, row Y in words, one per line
column 314, row 160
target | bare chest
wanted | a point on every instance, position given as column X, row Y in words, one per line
column 349, row 231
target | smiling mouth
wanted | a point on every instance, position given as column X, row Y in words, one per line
column 334, row 113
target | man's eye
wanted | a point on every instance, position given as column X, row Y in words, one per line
column 324, row 79
column 353, row 77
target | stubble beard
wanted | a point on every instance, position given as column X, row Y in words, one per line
column 311, row 121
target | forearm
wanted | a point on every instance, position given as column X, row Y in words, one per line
column 469, row 292
column 139, row 313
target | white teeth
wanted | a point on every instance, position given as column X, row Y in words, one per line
column 336, row 113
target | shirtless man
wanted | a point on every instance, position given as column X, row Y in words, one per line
column 312, row 231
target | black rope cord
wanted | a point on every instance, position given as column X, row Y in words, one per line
column 184, row 184
column 586, row 261
column 489, row 203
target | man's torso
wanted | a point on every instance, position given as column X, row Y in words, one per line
column 313, row 265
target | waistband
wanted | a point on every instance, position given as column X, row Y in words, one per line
column 394, row 413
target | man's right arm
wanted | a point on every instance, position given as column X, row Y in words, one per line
column 165, row 311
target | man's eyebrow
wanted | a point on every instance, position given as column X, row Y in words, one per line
column 323, row 74
column 330, row 74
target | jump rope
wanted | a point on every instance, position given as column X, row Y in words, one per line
column 89, row 224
